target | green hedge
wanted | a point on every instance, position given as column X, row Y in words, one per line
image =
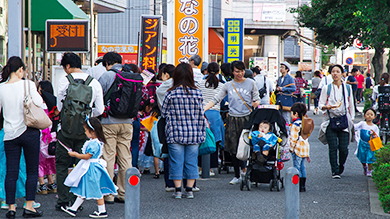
column 381, row 176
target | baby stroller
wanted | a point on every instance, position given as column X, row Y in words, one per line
column 269, row 170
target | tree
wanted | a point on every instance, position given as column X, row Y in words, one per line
column 339, row 22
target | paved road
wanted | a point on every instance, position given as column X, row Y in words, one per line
column 347, row 197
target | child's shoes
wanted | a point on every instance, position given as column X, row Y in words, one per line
column 96, row 214
column 369, row 174
column 69, row 211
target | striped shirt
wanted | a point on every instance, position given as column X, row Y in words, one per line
column 209, row 93
column 185, row 122
column 298, row 145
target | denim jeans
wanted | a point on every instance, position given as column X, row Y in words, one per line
column 183, row 161
column 299, row 163
column 135, row 142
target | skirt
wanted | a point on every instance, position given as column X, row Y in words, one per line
column 234, row 127
column 364, row 153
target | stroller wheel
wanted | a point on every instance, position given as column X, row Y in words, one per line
column 278, row 185
column 271, row 185
column 248, row 185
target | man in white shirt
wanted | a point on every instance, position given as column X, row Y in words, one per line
column 98, row 70
column 71, row 64
column 260, row 84
column 195, row 61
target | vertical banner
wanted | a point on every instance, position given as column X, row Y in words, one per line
column 234, row 39
column 150, row 42
column 189, row 29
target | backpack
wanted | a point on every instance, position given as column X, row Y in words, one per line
column 330, row 88
column 307, row 127
column 263, row 90
column 125, row 95
column 76, row 107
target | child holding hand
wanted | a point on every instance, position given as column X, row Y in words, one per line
column 89, row 179
column 364, row 131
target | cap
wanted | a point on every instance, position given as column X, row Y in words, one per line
column 287, row 65
column 204, row 66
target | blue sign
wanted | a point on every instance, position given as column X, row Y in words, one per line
column 234, row 39
column 349, row 61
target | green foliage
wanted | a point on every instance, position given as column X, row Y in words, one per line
column 367, row 93
column 381, row 176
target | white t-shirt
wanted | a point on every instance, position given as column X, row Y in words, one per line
column 97, row 71
column 11, row 102
column 260, row 84
column 363, row 125
column 198, row 76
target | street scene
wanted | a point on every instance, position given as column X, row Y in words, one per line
column 194, row 109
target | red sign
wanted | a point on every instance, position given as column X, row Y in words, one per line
column 150, row 42
column 133, row 180
column 128, row 52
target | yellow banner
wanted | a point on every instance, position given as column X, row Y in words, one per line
column 188, row 29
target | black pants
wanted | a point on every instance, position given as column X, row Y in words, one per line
column 359, row 94
column 63, row 161
column 354, row 102
column 236, row 165
column 30, row 143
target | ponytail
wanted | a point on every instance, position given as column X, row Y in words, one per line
column 13, row 64
column 212, row 80
column 384, row 79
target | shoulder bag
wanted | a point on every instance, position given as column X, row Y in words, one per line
column 241, row 98
column 263, row 90
column 34, row 116
column 339, row 123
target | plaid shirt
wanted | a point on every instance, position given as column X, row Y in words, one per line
column 185, row 122
column 299, row 83
column 298, row 145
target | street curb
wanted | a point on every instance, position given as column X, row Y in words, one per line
column 375, row 204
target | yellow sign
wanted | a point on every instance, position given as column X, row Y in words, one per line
column 188, row 29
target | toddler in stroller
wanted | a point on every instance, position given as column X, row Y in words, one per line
column 265, row 162
column 262, row 140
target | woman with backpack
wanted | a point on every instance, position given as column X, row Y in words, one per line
column 337, row 104
column 18, row 136
column 183, row 102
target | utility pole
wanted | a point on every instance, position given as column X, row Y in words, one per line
column 15, row 28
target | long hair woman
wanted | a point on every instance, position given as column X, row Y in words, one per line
column 185, row 128
column 17, row 135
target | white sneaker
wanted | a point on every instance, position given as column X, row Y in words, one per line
column 212, row 173
column 196, row 189
column 235, row 180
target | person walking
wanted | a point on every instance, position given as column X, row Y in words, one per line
column 71, row 63
column 262, row 81
column 243, row 93
column 315, row 82
column 284, row 90
column 183, row 102
column 353, row 82
column 360, row 79
column 18, row 136
column 299, row 83
column 384, row 81
column 117, row 131
column 369, row 83
column 337, row 103
column 195, row 61
column 209, row 88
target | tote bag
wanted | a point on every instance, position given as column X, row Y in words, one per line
column 209, row 146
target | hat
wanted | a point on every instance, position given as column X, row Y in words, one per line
column 204, row 66
column 288, row 66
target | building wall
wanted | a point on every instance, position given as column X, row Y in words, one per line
column 123, row 28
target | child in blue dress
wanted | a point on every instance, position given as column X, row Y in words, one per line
column 89, row 179
column 262, row 140
column 364, row 131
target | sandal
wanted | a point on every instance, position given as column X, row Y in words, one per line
column 156, row 176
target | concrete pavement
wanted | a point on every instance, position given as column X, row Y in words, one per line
column 348, row 197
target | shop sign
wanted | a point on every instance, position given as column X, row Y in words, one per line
column 234, row 39
column 67, row 35
column 150, row 42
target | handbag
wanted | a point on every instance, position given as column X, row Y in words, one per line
column 51, row 149
column 156, row 145
column 375, row 142
column 339, row 123
column 34, row 116
column 243, row 149
column 208, row 146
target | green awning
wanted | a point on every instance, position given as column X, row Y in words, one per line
column 43, row 10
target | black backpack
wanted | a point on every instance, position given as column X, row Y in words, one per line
column 125, row 95
column 76, row 107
